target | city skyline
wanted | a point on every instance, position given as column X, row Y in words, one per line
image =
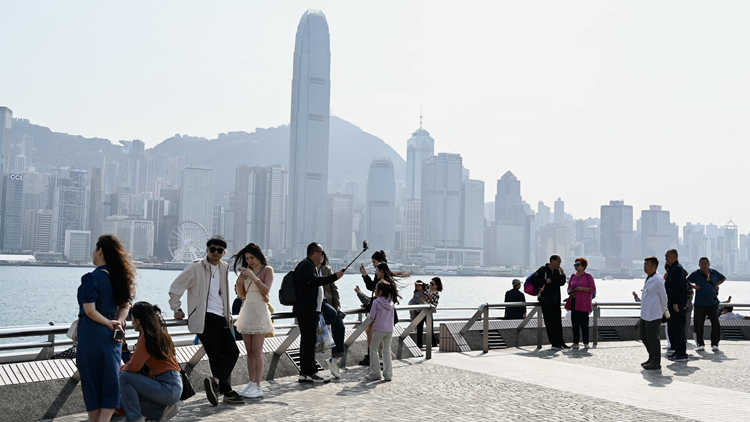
column 607, row 85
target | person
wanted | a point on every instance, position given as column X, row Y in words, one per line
column 727, row 313
column 705, row 281
column 207, row 283
column 377, row 258
column 104, row 298
column 515, row 295
column 581, row 290
column 254, row 322
column 309, row 293
column 675, row 285
column 432, row 299
column 330, row 308
column 549, row 278
column 154, row 396
column 381, row 313
column 653, row 307
column 420, row 291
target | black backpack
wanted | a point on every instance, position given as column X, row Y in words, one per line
column 287, row 297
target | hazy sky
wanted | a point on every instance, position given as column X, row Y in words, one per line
column 587, row 101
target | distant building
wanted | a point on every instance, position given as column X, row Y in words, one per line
column 157, row 210
column 77, row 245
column 96, row 204
column 656, row 230
column 731, row 248
column 441, row 201
column 381, row 203
column 340, row 236
column 137, row 236
column 419, row 148
column 12, row 221
column 37, row 230
column 410, row 229
column 6, row 125
column 508, row 202
column 308, row 143
column 70, row 205
column 472, row 214
column 554, row 239
column 196, row 196
column 616, row 231
column 137, row 148
column 559, row 211
column 260, row 200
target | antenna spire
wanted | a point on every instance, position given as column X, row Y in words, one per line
column 420, row 117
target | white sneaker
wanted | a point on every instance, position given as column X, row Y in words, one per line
column 169, row 412
column 715, row 348
column 334, row 366
column 247, row 388
column 253, row 393
column 700, row 348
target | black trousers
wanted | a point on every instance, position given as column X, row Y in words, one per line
column 420, row 332
column 649, row 331
column 676, row 331
column 307, row 325
column 218, row 341
column 553, row 324
column 580, row 320
column 712, row 312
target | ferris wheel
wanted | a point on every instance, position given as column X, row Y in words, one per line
column 186, row 241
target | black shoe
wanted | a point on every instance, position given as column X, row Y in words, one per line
column 651, row 366
column 233, row 397
column 314, row 378
column 646, row 363
column 565, row 346
column 365, row 361
column 211, row 391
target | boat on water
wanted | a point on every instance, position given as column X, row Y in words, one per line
column 609, row 277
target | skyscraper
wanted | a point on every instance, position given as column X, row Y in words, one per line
column 472, row 214
column 196, row 196
column 339, row 237
column 419, row 147
column 96, row 204
column 6, row 124
column 381, row 202
column 260, row 206
column 731, row 247
column 12, row 222
column 508, row 203
column 655, row 231
column 308, row 143
column 136, row 152
column 69, row 206
column 617, row 234
column 441, row 201
column 559, row 211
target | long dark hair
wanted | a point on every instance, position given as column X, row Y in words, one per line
column 121, row 270
column 379, row 256
column 158, row 341
column 239, row 257
column 388, row 289
column 390, row 277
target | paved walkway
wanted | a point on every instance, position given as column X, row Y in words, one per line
column 519, row 384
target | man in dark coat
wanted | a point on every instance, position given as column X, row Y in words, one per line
column 676, row 286
column 515, row 295
column 308, row 289
column 548, row 279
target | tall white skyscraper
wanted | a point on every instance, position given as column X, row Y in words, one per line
column 472, row 214
column 441, row 201
column 308, row 143
column 419, row 147
column 381, row 202
column 197, row 196
column 339, row 237
column 6, row 124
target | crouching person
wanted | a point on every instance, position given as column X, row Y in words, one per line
column 154, row 396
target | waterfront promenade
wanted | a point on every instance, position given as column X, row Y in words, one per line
column 516, row 384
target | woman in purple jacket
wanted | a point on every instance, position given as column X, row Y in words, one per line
column 581, row 289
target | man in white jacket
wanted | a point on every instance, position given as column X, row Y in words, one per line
column 207, row 283
column 653, row 306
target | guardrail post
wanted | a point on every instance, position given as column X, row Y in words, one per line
column 486, row 330
column 538, row 327
column 596, row 324
column 428, row 343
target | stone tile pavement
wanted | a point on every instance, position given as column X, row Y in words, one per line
column 518, row 384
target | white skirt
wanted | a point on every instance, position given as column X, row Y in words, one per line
column 254, row 318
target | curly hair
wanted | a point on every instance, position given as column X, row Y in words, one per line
column 121, row 270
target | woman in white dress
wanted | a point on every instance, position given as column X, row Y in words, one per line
column 254, row 322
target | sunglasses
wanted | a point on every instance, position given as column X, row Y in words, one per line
column 432, row 284
column 577, row 265
column 214, row 249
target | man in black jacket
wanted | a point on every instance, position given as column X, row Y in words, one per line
column 515, row 295
column 676, row 286
column 308, row 288
column 551, row 277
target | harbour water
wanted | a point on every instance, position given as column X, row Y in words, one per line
column 39, row 295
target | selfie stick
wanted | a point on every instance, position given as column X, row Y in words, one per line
column 365, row 247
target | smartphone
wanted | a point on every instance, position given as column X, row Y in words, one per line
column 119, row 335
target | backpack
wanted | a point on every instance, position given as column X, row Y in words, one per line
column 287, row 297
column 529, row 288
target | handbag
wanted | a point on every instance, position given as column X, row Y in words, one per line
column 187, row 387
column 73, row 331
column 324, row 340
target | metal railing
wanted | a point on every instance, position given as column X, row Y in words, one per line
column 48, row 347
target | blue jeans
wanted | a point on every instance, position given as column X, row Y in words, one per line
column 143, row 396
column 337, row 324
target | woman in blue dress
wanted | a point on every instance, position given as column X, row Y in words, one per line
column 104, row 297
